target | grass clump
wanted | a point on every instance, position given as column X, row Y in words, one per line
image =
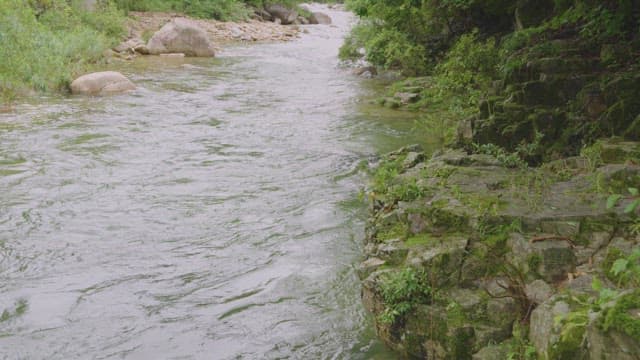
column 46, row 43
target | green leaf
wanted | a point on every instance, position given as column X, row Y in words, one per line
column 632, row 206
column 619, row 266
column 606, row 295
column 633, row 191
column 613, row 200
column 596, row 284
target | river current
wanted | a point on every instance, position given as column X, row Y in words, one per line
column 211, row 214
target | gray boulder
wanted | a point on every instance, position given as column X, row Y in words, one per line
column 284, row 14
column 319, row 18
column 101, row 83
column 181, row 36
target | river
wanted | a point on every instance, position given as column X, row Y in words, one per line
column 211, row 214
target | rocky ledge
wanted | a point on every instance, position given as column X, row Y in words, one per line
column 471, row 256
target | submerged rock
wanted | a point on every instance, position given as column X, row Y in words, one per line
column 181, row 36
column 102, row 83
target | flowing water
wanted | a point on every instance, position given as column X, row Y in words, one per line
column 211, row 214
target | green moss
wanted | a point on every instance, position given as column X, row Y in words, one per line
column 422, row 240
column 625, row 315
column 455, row 315
column 395, row 231
column 496, row 241
column 480, row 203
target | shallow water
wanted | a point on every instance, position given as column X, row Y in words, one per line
column 211, row 214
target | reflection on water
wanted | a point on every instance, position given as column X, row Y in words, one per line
column 211, row 214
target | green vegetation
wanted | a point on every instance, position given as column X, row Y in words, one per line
column 519, row 346
column 567, row 69
column 402, row 290
column 624, row 315
column 631, row 206
column 46, row 43
column 625, row 270
column 216, row 9
column 574, row 324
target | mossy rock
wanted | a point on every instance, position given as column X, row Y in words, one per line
column 618, row 178
column 619, row 152
column 615, row 334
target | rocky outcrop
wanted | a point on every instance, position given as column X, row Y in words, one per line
column 463, row 249
column 319, row 18
column 181, row 36
column 570, row 95
column 102, row 83
column 284, row 14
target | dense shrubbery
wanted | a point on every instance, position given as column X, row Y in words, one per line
column 470, row 52
column 217, row 9
column 46, row 43
column 422, row 29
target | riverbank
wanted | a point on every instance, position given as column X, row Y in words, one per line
column 519, row 238
column 142, row 25
column 83, row 40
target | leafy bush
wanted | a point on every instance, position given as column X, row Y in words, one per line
column 393, row 50
column 403, row 290
column 469, row 66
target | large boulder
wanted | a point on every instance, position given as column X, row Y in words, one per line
column 101, row 83
column 319, row 18
column 284, row 14
column 181, row 36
